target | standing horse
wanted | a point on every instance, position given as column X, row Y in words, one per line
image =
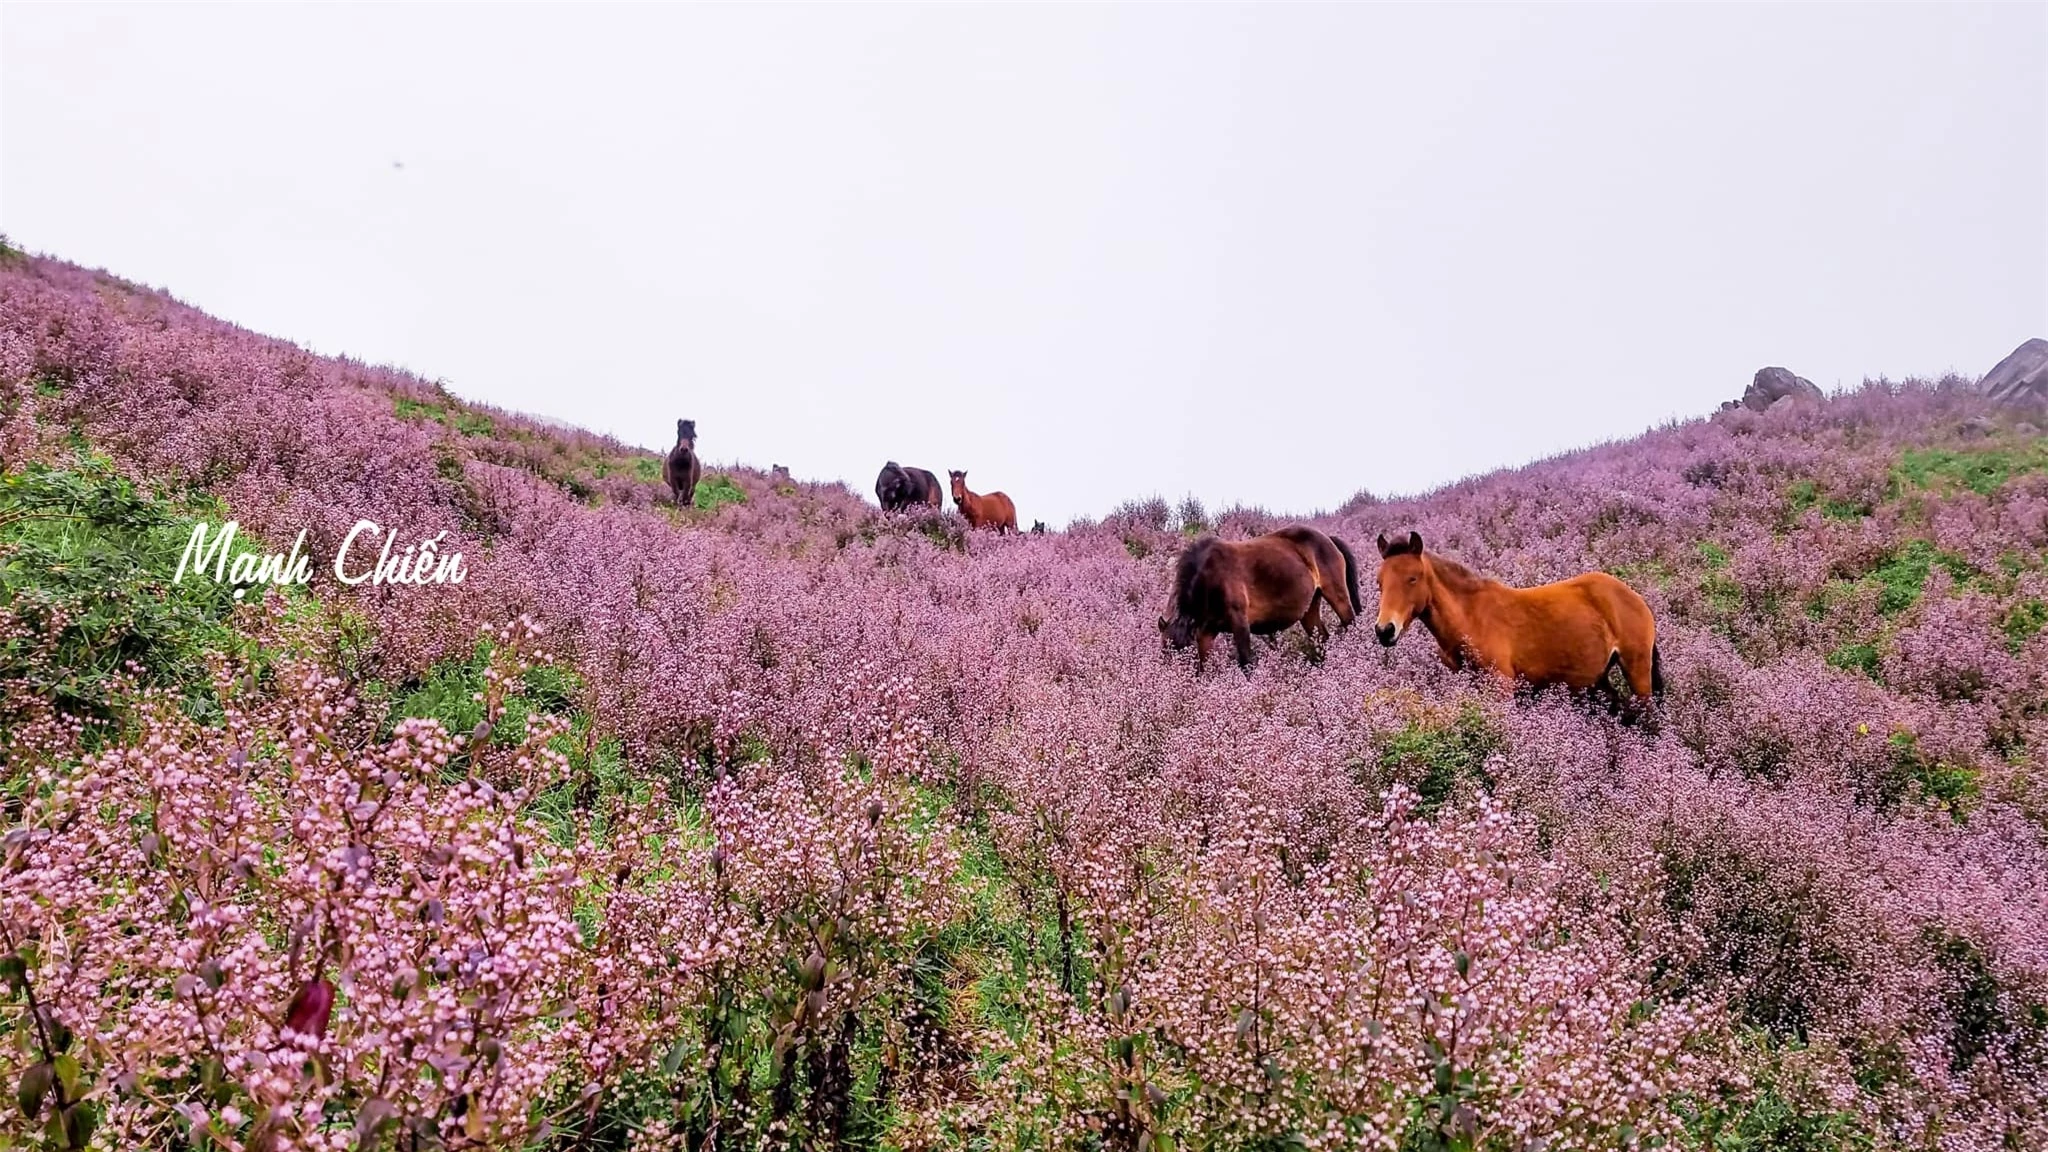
column 993, row 510
column 898, row 488
column 1572, row 632
column 1258, row 586
column 681, row 470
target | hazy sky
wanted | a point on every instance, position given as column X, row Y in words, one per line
column 1263, row 254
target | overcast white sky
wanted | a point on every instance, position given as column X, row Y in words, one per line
column 1263, row 254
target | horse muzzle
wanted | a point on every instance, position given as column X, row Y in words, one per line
column 1388, row 633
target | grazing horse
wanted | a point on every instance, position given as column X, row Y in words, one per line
column 993, row 510
column 899, row 488
column 1572, row 632
column 1038, row 527
column 1258, row 586
column 681, row 469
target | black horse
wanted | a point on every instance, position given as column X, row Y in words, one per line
column 681, row 469
column 899, row 488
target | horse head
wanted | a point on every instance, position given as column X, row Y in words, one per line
column 686, row 433
column 1405, row 586
column 1176, row 632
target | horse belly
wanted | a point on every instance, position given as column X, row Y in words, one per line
column 1274, row 610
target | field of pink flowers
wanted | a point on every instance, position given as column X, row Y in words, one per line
column 776, row 822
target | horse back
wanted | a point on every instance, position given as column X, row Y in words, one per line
column 1592, row 597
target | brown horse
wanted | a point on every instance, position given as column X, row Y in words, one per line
column 1259, row 586
column 681, row 468
column 993, row 510
column 1572, row 632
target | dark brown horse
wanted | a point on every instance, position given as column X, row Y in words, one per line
column 1572, row 632
column 1258, row 587
column 993, row 510
column 899, row 487
column 681, row 470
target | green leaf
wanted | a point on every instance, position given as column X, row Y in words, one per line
column 67, row 1075
column 79, row 1121
column 35, row 1084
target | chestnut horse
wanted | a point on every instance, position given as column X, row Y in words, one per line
column 1259, row 586
column 1572, row 632
column 993, row 510
column 681, row 469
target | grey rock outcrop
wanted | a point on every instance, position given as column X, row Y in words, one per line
column 2021, row 378
column 1774, row 384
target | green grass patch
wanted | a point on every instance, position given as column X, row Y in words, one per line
column 1916, row 776
column 2023, row 621
column 716, row 491
column 1856, row 656
column 87, row 559
column 1903, row 575
column 1982, row 470
column 465, row 422
column 1436, row 751
column 449, row 694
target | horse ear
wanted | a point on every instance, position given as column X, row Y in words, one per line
column 1383, row 543
column 1415, row 543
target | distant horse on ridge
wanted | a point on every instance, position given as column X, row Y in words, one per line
column 993, row 510
column 681, row 470
column 899, row 487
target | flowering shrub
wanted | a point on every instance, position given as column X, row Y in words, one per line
column 783, row 822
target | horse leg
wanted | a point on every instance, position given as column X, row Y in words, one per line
column 1241, row 634
column 1644, row 681
column 1640, row 669
column 1202, row 642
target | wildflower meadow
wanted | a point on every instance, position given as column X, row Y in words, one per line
column 776, row 821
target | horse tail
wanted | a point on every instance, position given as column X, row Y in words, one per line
column 1350, row 577
column 1656, row 670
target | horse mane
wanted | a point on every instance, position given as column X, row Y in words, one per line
column 1459, row 577
column 1184, row 573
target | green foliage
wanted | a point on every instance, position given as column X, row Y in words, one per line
column 1856, row 656
column 1437, row 750
column 462, row 420
column 450, row 693
column 1903, row 575
column 1805, row 494
column 1916, row 776
column 2023, row 621
column 1716, row 556
column 1983, row 471
column 88, row 558
column 716, row 491
column 9, row 253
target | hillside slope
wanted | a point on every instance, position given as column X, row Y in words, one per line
column 780, row 821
